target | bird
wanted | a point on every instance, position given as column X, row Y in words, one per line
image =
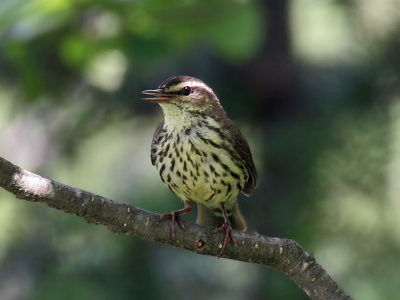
column 201, row 155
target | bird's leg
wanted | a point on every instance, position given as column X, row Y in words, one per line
column 226, row 227
column 175, row 216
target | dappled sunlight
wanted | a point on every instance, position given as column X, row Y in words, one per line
column 115, row 162
column 321, row 32
column 393, row 176
column 378, row 18
column 352, row 211
column 24, row 138
column 32, row 18
column 359, row 181
column 103, row 24
column 107, row 70
column 336, row 256
column 324, row 32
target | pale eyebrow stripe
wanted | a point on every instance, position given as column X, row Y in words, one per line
column 193, row 84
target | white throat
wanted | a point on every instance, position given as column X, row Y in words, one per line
column 175, row 118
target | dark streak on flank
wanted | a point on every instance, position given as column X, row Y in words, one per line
column 177, row 152
column 217, row 130
column 235, row 175
column 209, row 198
column 215, row 157
column 212, row 169
column 208, row 141
column 172, row 164
column 193, row 148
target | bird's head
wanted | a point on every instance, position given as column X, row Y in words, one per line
column 184, row 93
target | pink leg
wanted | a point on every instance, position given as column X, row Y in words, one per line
column 175, row 216
column 226, row 227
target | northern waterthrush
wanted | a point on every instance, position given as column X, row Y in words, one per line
column 201, row 154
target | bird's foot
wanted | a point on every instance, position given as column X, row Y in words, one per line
column 226, row 227
column 175, row 218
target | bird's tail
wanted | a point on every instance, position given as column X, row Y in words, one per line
column 206, row 216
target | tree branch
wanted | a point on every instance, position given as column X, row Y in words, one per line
column 283, row 255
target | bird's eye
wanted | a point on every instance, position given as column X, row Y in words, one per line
column 186, row 91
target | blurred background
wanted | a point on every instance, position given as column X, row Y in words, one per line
column 314, row 86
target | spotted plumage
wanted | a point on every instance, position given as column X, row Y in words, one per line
column 200, row 153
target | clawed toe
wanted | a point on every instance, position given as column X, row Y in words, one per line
column 226, row 227
column 175, row 218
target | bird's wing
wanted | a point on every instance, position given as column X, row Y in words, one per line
column 154, row 143
column 242, row 148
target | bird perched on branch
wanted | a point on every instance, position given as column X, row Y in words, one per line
column 201, row 155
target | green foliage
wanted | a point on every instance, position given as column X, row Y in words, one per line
column 48, row 42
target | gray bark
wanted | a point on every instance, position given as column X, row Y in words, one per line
column 283, row 255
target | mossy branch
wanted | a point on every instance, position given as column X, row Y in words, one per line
column 283, row 255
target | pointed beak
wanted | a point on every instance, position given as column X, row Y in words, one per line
column 158, row 94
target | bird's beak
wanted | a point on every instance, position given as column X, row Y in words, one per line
column 159, row 95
